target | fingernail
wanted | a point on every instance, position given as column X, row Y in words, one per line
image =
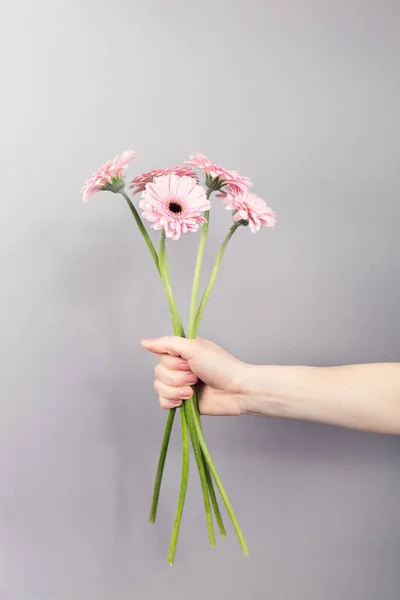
column 184, row 393
column 191, row 378
column 184, row 366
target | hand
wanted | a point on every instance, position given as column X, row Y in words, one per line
column 184, row 362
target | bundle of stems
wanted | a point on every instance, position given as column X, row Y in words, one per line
column 190, row 419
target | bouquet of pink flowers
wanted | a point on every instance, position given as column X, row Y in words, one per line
column 175, row 202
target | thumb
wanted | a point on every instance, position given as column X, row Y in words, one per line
column 169, row 344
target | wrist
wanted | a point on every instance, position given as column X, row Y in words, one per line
column 268, row 390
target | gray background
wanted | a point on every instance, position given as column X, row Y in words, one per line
column 303, row 97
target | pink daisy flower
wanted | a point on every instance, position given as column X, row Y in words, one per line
column 250, row 208
column 174, row 203
column 217, row 176
column 139, row 183
column 110, row 176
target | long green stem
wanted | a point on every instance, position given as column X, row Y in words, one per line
column 197, row 273
column 205, row 477
column 201, row 467
column 164, row 271
column 218, row 481
column 213, row 497
column 161, row 464
column 196, row 448
column 214, row 501
column 142, row 228
column 182, row 491
column 213, row 277
column 178, row 330
column 196, row 283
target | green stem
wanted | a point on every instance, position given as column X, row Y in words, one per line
column 213, row 277
column 162, row 267
column 161, row 464
column 164, row 271
column 175, row 318
column 143, row 230
column 197, row 273
column 196, row 279
column 201, row 467
column 214, row 501
column 210, row 484
column 218, row 481
column 182, row 491
column 178, row 330
column 205, row 477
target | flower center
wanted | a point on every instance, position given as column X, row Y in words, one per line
column 175, row 207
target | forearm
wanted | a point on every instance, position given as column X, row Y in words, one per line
column 365, row 397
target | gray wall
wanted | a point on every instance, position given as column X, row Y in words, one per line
column 303, row 97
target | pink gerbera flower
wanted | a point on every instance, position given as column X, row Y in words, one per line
column 139, row 183
column 110, row 176
column 249, row 208
column 174, row 203
column 217, row 176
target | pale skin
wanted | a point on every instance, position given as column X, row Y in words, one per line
column 364, row 397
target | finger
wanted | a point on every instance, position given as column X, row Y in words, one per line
column 176, row 363
column 173, row 393
column 168, row 404
column 174, row 345
column 174, row 378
